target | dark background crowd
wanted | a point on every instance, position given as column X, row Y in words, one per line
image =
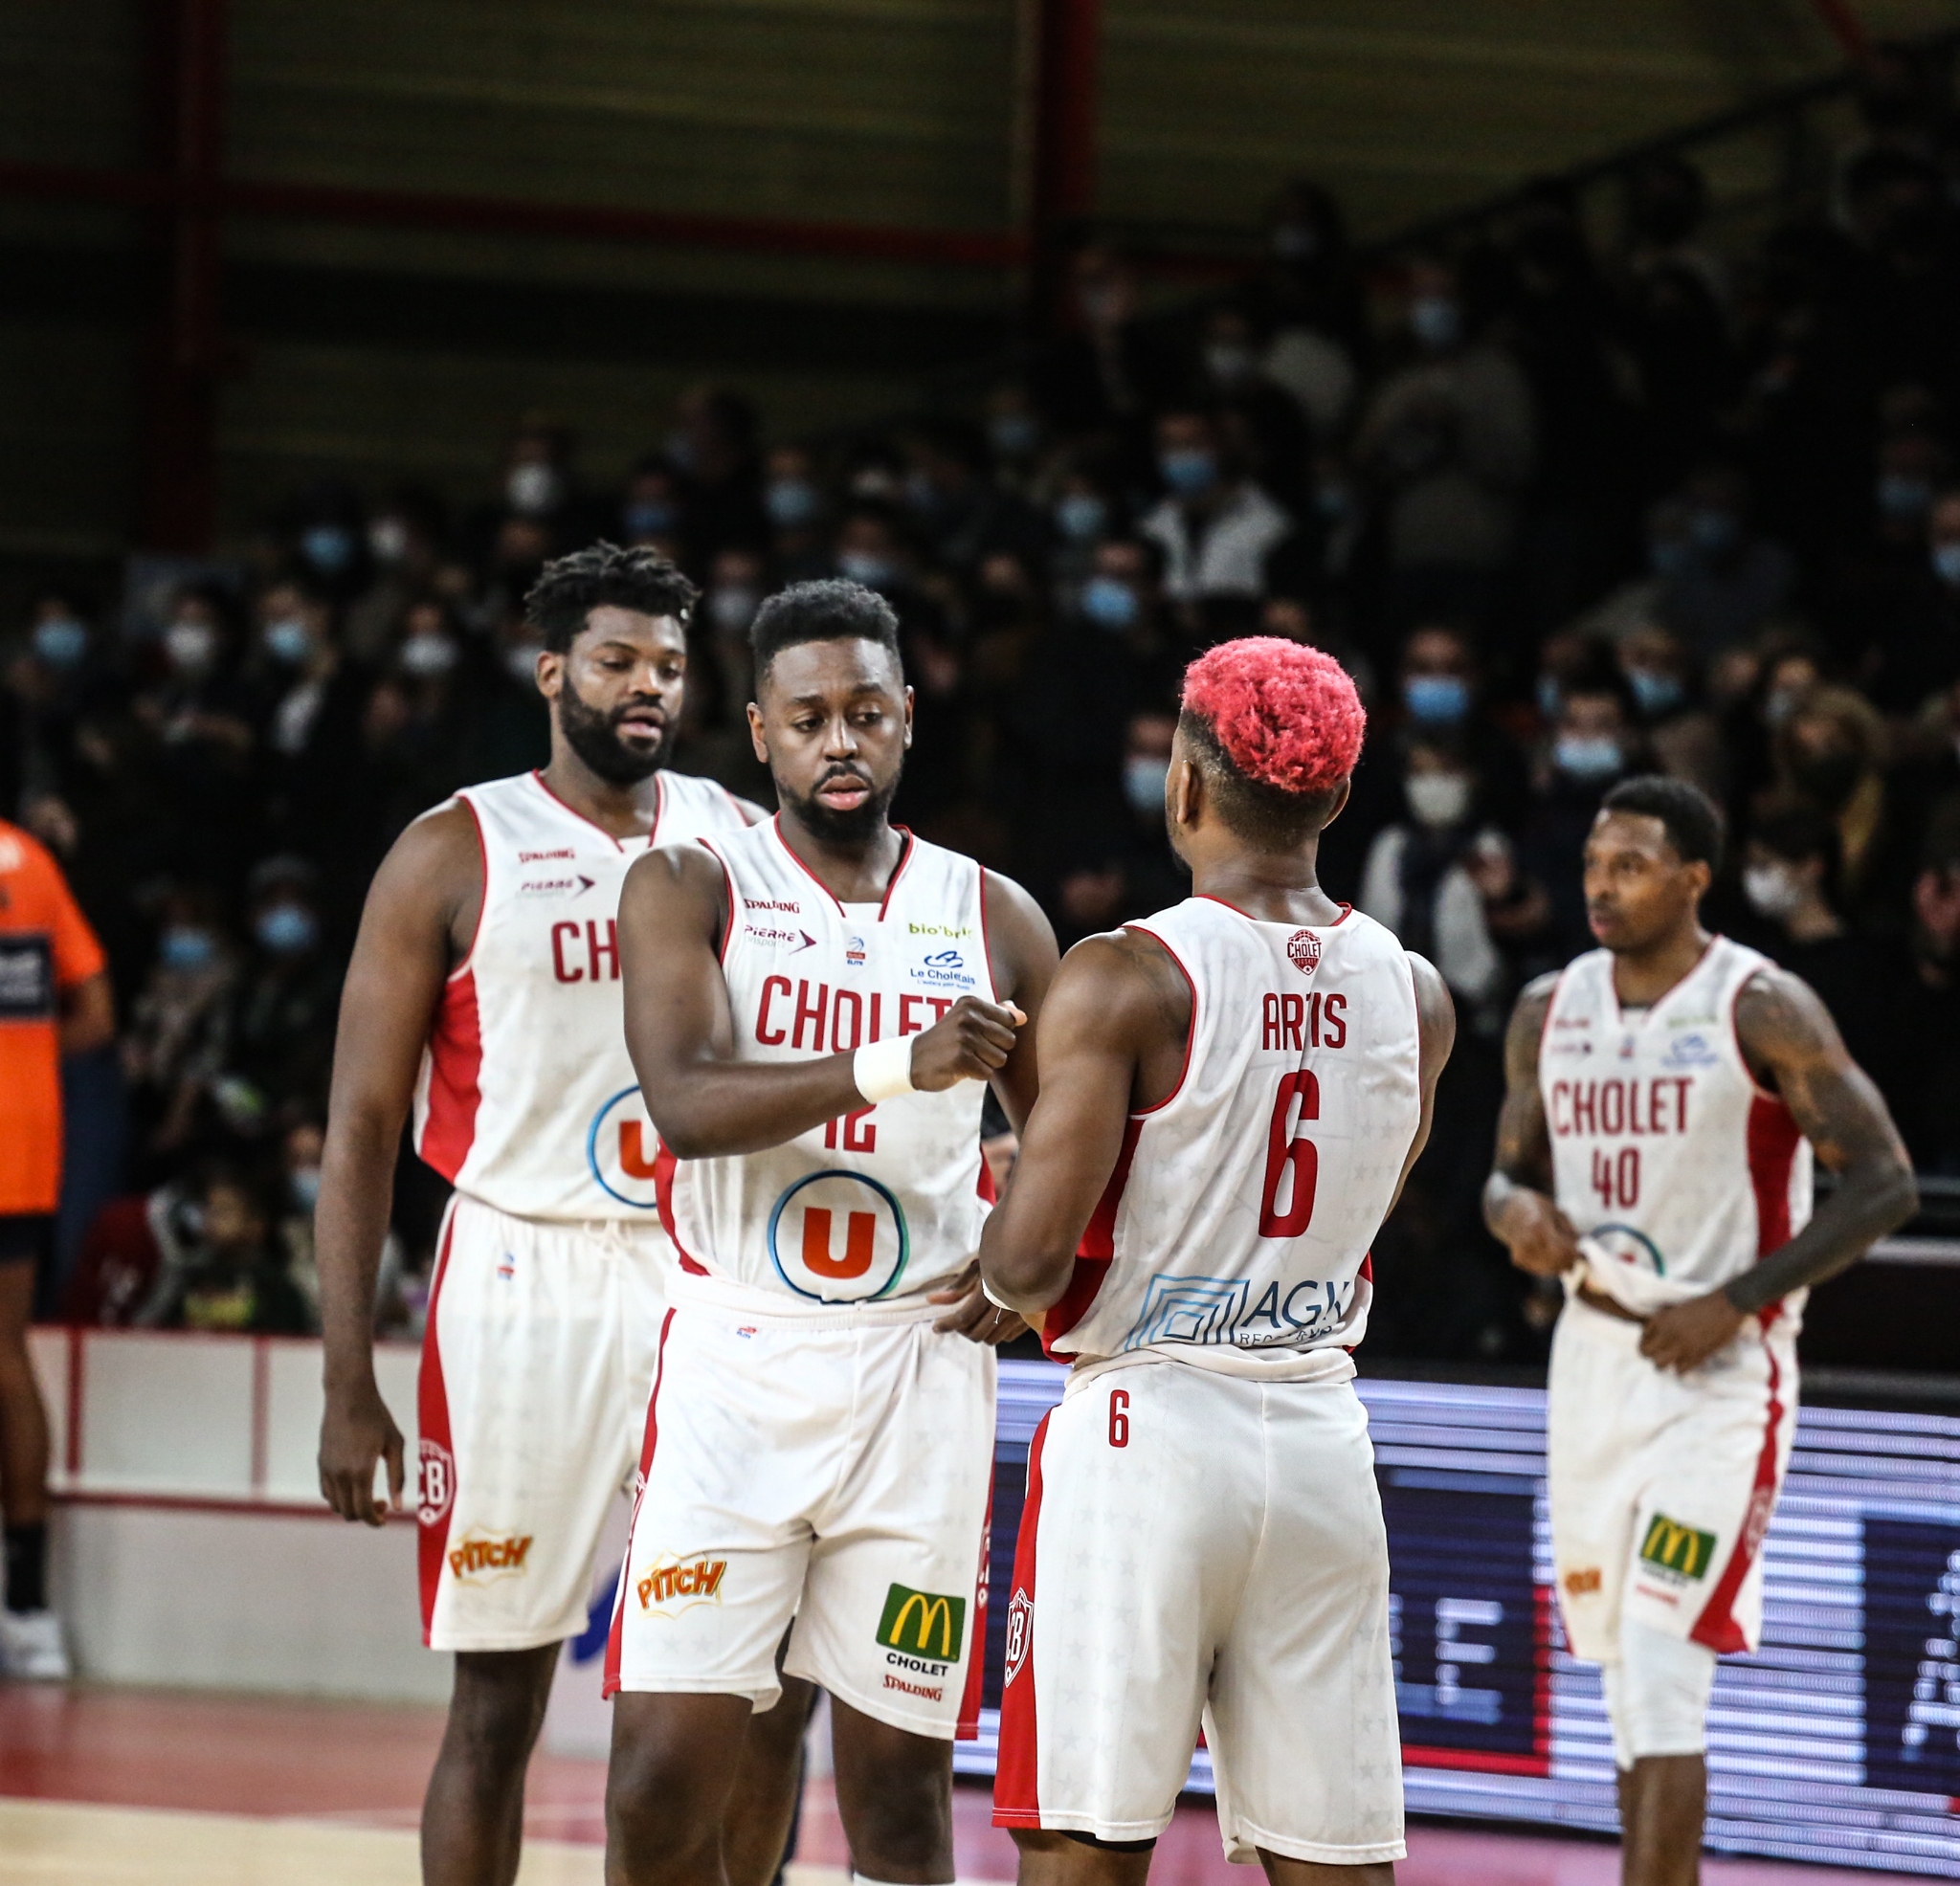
column 1569, row 507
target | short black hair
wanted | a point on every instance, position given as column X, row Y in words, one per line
column 1267, row 818
column 830, row 610
column 1690, row 816
column 570, row 588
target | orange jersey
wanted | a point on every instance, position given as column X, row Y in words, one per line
column 46, row 949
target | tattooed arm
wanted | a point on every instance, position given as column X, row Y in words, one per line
column 1793, row 1045
column 1517, row 1198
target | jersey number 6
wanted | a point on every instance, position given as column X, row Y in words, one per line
column 1284, row 1153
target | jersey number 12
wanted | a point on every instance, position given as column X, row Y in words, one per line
column 1284, row 1154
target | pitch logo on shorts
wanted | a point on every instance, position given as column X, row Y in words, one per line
column 1684, row 1551
column 622, row 1151
column 481, row 1558
column 435, row 1477
column 676, row 1582
column 839, row 1238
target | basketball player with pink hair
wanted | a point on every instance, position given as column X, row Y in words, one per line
column 1231, row 1092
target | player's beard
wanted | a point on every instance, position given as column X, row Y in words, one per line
column 847, row 831
column 595, row 737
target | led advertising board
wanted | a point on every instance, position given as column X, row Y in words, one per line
column 1838, row 1741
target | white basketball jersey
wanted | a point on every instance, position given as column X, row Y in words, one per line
column 1240, row 1210
column 884, row 1202
column 526, row 1098
column 1665, row 1151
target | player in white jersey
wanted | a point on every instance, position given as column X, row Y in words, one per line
column 1231, row 1092
column 1665, row 1093
column 813, row 1006
column 485, row 990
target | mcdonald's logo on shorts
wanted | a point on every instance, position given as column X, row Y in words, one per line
column 924, row 1623
column 1673, row 1547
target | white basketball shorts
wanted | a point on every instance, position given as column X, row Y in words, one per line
column 832, row 1466
column 1661, row 1484
column 534, row 1364
column 1200, row 1548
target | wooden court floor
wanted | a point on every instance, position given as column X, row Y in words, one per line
column 123, row 1788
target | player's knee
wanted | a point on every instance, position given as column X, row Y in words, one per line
column 906, row 1820
column 778, row 1733
column 1657, row 1695
column 496, row 1705
column 659, row 1810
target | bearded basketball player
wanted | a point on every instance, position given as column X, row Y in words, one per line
column 1232, row 1094
column 485, row 991
column 1667, row 1092
column 814, row 1006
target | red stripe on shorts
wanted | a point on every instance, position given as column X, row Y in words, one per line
column 1716, row 1627
column 1017, row 1772
column 649, row 1441
column 968, row 1728
column 434, row 1458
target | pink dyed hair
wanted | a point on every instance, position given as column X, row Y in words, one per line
column 1284, row 715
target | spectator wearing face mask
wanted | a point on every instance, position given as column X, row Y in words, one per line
column 1450, row 443
column 200, row 715
column 1914, row 650
column 713, row 444
column 1082, row 511
column 1215, row 527
column 1790, row 880
column 1682, row 735
column 1440, row 685
column 279, row 1020
column 1717, row 581
column 1109, row 370
column 652, row 509
column 311, row 699
column 1278, row 441
column 57, row 675
column 1831, row 755
column 1015, row 437
column 327, row 542
column 301, row 1147
column 796, row 514
column 174, row 1046
column 959, row 510
column 1924, row 1088
column 1594, row 740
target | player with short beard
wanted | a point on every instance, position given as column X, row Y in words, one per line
column 813, row 1006
column 486, row 990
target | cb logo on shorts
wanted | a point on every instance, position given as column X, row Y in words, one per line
column 1020, row 1625
column 436, row 1490
column 839, row 1238
column 622, row 1151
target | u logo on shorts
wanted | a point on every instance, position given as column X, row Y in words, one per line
column 839, row 1238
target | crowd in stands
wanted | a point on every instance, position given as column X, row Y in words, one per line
column 1568, row 509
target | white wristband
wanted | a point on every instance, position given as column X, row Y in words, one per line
column 883, row 1069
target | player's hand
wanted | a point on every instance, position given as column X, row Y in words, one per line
column 970, row 1041
column 971, row 1313
column 356, row 1433
column 1684, row 1336
column 1540, row 1236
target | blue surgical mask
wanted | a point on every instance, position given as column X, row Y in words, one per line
column 1188, row 471
column 1081, row 515
column 1111, row 604
column 304, row 1181
column 1014, row 435
column 61, row 641
column 533, row 490
column 288, row 640
column 1945, row 561
column 428, row 654
column 1670, row 557
column 1656, row 693
column 1712, row 529
column 1143, row 783
column 187, row 947
column 1437, row 322
column 327, row 547
column 867, row 567
column 1437, row 700
column 1901, row 495
column 1587, row 755
column 650, row 516
column 1547, row 695
column 791, row 503
column 286, row 929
